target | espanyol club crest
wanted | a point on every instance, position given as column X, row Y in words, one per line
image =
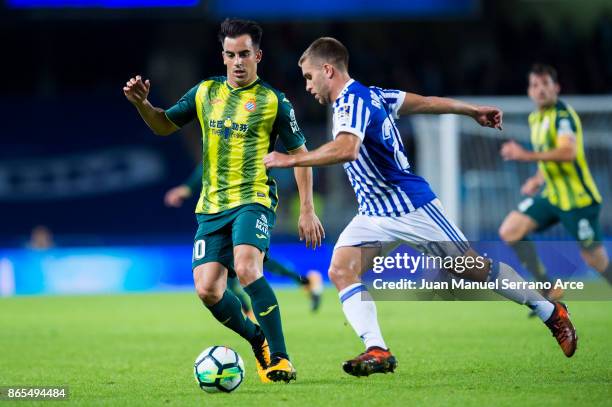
column 250, row 105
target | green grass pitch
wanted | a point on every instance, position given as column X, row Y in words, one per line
column 139, row 350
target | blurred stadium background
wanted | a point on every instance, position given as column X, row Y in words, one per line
column 82, row 178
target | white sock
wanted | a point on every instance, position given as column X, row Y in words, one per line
column 543, row 309
column 533, row 299
column 360, row 311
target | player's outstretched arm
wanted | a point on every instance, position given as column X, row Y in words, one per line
column 487, row 116
column 136, row 91
column 564, row 152
column 309, row 225
column 343, row 149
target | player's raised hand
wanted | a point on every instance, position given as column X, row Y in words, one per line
column 489, row 116
column 310, row 229
column 513, row 151
column 136, row 90
column 175, row 197
column 278, row 160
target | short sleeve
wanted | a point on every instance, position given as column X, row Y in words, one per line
column 351, row 115
column 184, row 111
column 287, row 127
column 565, row 123
column 394, row 99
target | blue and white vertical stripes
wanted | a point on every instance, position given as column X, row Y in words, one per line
column 380, row 177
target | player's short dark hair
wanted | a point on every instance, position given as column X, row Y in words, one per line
column 329, row 50
column 232, row 28
column 543, row 69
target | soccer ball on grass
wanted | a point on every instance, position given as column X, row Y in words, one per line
column 218, row 369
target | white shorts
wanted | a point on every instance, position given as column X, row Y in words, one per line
column 427, row 229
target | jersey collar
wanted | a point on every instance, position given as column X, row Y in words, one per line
column 345, row 88
column 245, row 87
column 551, row 107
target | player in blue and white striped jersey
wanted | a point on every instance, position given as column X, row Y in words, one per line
column 395, row 205
column 380, row 176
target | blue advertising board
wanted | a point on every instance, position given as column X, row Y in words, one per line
column 102, row 270
column 274, row 9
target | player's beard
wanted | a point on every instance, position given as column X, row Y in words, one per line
column 324, row 97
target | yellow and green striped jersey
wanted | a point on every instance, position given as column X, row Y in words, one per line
column 239, row 127
column 569, row 185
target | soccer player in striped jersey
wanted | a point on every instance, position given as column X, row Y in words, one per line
column 570, row 195
column 241, row 116
column 312, row 282
column 395, row 205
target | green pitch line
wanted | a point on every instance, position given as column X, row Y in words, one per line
column 138, row 350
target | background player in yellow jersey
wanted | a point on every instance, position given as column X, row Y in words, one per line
column 570, row 195
column 240, row 116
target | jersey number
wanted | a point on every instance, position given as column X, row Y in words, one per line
column 388, row 130
column 199, row 249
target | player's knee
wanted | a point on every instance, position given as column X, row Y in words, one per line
column 209, row 295
column 247, row 272
column 509, row 233
column 515, row 227
column 337, row 274
column 333, row 273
